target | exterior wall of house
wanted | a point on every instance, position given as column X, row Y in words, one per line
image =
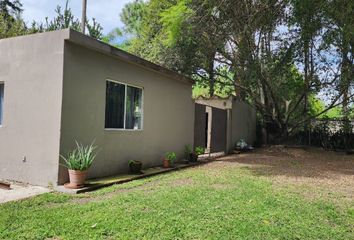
column 168, row 112
column 243, row 123
column 31, row 68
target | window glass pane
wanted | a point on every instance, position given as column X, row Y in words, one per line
column 133, row 108
column 115, row 101
column 1, row 101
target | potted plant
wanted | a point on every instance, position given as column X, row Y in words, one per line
column 169, row 158
column 197, row 151
column 78, row 162
column 135, row 166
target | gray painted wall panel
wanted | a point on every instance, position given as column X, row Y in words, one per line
column 168, row 112
column 31, row 68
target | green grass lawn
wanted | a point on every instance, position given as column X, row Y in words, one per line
column 208, row 202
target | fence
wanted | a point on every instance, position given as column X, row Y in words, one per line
column 329, row 134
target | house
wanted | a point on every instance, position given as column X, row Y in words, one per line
column 60, row 87
column 221, row 122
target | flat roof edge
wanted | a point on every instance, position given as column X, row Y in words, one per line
column 62, row 33
column 91, row 43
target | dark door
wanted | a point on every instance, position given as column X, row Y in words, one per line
column 218, row 130
column 200, row 126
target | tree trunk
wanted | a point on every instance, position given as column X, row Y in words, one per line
column 211, row 78
column 306, row 85
column 345, row 83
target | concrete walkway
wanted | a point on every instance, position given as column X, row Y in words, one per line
column 21, row 191
column 95, row 184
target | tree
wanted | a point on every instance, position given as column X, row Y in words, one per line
column 306, row 22
column 11, row 24
column 66, row 19
column 17, row 27
column 10, row 7
column 339, row 34
column 132, row 17
column 271, row 53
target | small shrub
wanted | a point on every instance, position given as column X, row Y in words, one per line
column 134, row 162
column 171, row 156
column 188, row 150
column 199, row 150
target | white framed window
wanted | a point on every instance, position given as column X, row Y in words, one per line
column 1, row 102
column 124, row 106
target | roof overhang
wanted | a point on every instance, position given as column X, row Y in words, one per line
column 216, row 102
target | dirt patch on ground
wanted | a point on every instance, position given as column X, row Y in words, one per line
column 313, row 172
column 181, row 182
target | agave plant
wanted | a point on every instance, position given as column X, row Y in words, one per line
column 80, row 158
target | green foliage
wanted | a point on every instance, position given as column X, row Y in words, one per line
column 80, row 158
column 223, row 84
column 63, row 19
column 9, row 8
column 66, row 19
column 254, row 51
column 172, row 20
column 112, row 35
column 11, row 28
column 171, row 156
column 132, row 16
column 134, row 162
column 94, row 29
column 318, row 106
column 333, row 113
column 11, row 23
column 188, row 150
column 199, row 150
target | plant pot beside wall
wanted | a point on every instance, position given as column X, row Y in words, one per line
column 77, row 178
column 197, row 152
column 166, row 163
column 169, row 159
column 135, row 166
column 78, row 162
column 193, row 157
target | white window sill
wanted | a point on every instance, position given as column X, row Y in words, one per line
column 123, row 130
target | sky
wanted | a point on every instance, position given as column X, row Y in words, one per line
column 106, row 12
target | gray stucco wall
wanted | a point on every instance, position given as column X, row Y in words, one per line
column 31, row 67
column 168, row 112
column 243, row 123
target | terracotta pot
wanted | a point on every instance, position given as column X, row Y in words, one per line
column 166, row 163
column 77, row 178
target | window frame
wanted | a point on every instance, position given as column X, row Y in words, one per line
column 3, row 105
column 125, row 106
